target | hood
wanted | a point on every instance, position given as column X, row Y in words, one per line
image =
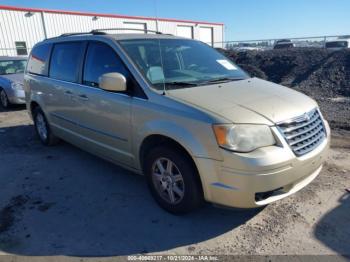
column 13, row 77
column 248, row 101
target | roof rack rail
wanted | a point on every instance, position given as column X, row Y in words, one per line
column 82, row 33
column 100, row 32
column 121, row 29
column 77, row 33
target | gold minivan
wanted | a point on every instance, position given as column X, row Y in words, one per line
column 174, row 109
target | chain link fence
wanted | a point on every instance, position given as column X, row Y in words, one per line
column 266, row 44
column 242, row 45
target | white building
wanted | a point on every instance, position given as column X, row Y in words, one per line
column 22, row 28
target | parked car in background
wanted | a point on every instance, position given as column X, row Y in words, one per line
column 283, row 43
column 242, row 47
column 11, row 80
column 338, row 44
column 179, row 112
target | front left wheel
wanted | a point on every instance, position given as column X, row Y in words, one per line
column 43, row 129
column 173, row 180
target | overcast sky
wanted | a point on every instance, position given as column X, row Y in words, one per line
column 244, row 19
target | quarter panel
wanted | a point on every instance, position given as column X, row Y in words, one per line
column 37, row 90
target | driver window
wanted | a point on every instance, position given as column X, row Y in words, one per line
column 101, row 59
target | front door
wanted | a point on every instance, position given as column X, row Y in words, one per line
column 104, row 117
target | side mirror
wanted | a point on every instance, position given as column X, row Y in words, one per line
column 113, row 82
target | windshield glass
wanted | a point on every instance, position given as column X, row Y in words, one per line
column 12, row 66
column 182, row 63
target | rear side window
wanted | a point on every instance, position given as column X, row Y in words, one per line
column 38, row 60
column 65, row 61
column 101, row 59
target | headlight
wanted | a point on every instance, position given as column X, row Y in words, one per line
column 17, row 86
column 243, row 138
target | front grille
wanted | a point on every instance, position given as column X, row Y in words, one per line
column 304, row 133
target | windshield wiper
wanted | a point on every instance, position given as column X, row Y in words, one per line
column 181, row 84
column 176, row 84
column 221, row 80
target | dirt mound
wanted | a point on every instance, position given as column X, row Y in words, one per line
column 319, row 73
column 332, row 76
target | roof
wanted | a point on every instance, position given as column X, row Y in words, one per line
column 26, row 9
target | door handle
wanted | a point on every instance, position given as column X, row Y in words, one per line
column 83, row 97
column 68, row 92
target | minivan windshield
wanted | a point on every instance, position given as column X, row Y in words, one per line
column 180, row 63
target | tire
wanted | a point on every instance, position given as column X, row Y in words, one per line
column 5, row 103
column 43, row 129
column 182, row 180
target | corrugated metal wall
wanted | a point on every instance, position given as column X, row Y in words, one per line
column 28, row 27
column 15, row 26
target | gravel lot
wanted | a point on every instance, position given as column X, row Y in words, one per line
column 63, row 201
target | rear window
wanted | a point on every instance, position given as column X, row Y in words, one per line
column 65, row 61
column 283, row 41
column 8, row 67
column 337, row 44
column 284, row 45
column 37, row 63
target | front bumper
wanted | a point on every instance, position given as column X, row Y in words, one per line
column 261, row 177
column 16, row 96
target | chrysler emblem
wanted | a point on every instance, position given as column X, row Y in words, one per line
column 306, row 117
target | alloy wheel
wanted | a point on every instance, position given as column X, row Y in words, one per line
column 41, row 126
column 168, row 180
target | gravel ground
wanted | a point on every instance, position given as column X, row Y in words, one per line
column 63, row 201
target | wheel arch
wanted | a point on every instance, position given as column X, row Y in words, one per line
column 33, row 105
column 155, row 140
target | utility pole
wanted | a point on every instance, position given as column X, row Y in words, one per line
column 157, row 28
column 43, row 23
column 156, row 13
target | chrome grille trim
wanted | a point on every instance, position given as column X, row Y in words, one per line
column 306, row 137
column 312, row 127
column 304, row 133
column 299, row 126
